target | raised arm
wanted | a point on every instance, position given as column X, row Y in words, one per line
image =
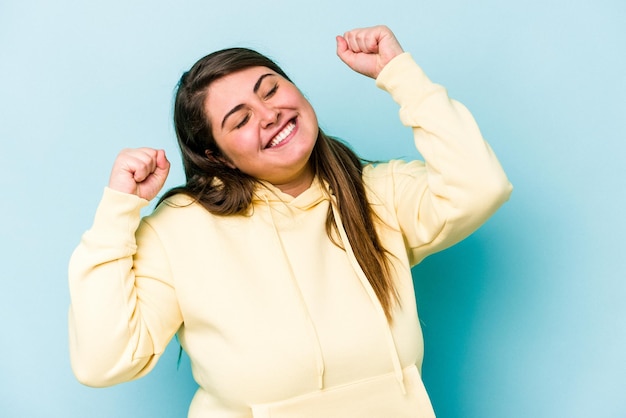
column 123, row 306
column 460, row 184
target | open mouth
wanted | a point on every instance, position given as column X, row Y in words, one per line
column 282, row 135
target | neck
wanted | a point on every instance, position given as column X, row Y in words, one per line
column 298, row 185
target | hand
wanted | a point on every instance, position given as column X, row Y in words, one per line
column 140, row 171
column 368, row 50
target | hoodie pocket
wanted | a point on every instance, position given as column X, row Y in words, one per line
column 377, row 397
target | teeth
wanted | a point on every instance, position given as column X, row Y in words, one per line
column 282, row 135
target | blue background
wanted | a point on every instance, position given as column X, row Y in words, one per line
column 526, row 318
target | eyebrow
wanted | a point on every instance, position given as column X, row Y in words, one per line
column 255, row 89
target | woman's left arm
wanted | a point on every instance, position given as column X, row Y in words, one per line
column 461, row 183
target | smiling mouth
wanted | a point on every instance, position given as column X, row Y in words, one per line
column 282, row 135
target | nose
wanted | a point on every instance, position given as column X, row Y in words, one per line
column 268, row 115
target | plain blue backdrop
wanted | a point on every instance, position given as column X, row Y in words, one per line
column 526, row 318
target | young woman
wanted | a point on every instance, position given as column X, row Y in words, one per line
column 284, row 262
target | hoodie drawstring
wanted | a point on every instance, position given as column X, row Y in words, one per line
column 393, row 350
column 317, row 347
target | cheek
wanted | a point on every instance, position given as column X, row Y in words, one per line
column 310, row 111
column 240, row 144
column 314, row 117
column 313, row 120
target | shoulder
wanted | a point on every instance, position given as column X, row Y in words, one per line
column 179, row 209
column 391, row 183
column 377, row 174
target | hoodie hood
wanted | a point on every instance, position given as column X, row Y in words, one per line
column 315, row 194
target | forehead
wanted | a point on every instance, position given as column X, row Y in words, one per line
column 232, row 89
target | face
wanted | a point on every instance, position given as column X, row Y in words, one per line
column 264, row 127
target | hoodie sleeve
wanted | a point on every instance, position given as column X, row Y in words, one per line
column 123, row 310
column 459, row 185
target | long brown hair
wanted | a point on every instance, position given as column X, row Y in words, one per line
column 224, row 190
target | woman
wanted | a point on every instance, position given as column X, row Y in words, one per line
column 283, row 263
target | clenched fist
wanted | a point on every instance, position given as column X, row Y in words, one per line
column 368, row 50
column 140, row 171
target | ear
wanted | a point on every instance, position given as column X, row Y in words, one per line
column 217, row 157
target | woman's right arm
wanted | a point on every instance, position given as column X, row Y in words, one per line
column 123, row 307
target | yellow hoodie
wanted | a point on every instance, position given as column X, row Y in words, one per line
column 276, row 319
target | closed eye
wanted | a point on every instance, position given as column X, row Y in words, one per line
column 243, row 121
column 270, row 93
